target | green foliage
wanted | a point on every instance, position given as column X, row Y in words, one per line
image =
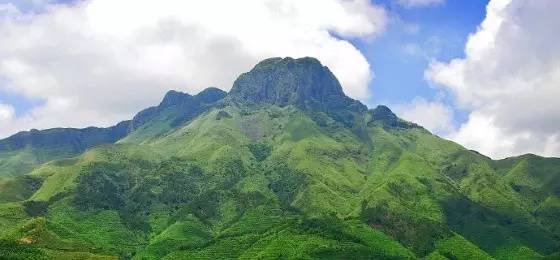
column 286, row 183
column 36, row 208
column 174, row 184
column 96, row 231
column 11, row 250
column 493, row 231
column 281, row 174
column 459, row 248
column 103, row 186
column 181, row 235
column 19, row 188
column 229, row 172
column 260, row 150
column 327, row 226
column 24, row 151
column 222, row 114
column 180, row 185
column 549, row 213
column 420, row 234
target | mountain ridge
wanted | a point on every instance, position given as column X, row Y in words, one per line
column 39, row 146
column 252, row 88
column 271, row 175
column 302, row 72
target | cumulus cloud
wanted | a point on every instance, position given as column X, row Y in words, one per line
column 6, row 112
column 419, row 3
column 433, row 115
column 509, row 79
column 8, row 11
column 97, row 62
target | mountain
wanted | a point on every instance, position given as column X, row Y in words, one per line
column 22, row 152
column 175, row 109
column 283, row 166
column 303, row 83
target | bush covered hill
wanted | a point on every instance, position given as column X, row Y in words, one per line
column 283, row 166
column 24, row 151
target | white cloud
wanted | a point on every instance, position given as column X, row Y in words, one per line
column 419, row 3
column 482, row 133
column 6, row 112
column 8, row 11
column 99, row 61
column 510, row 79
column 433, row 115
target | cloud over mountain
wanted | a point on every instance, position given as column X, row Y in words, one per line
column 433, row 115
column 96, row 62
column 509, row 79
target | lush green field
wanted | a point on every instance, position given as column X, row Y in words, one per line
column 282, row 177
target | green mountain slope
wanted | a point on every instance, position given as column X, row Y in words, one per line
column 22, row 152
column 284, row 166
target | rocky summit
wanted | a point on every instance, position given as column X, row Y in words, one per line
column 284, row 166
column 304, row 83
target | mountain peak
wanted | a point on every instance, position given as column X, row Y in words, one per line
column 385, row 116
column 174, row 97
column 210, row 95
column 275, row 62
column 382, row 112
column 302, row 82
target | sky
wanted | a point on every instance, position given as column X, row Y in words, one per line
column 483, row 73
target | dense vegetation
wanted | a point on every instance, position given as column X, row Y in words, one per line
column 295, row 171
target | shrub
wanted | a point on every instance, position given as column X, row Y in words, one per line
column 286, row 183
column 260, row 151
column 420, row 233
column 36, row 208
column 222, row 114
column 102, row 185
column 181, row 186
column 228, row 173
column 15, row 251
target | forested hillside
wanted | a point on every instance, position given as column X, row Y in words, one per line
column 284, row 166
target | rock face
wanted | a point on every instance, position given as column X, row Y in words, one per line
column 308, row 85
column 384, row 115
column 303, row 82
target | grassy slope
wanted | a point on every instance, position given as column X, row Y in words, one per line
column 414, row 189
column 466, row 192
column 15, row 163
column 159, row 125
column 24, row 151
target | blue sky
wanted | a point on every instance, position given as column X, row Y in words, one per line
column 414, row 37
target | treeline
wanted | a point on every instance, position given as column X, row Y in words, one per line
column 175, row 184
